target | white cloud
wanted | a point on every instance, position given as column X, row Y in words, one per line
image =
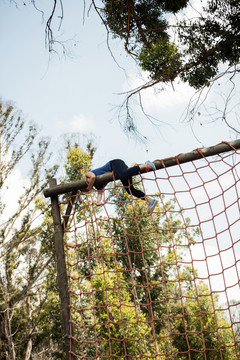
column 153, row 99
column 81, row 123
column 158, row 97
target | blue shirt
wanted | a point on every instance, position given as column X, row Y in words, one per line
column 103, row 169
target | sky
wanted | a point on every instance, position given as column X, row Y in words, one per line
column 79, row 93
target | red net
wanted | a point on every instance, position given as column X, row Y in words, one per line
column 161, row 285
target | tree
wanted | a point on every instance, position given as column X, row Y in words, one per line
column 30, row 314
column 22, row 261
column 202, row 327
column 204, row 44
column 198, row 49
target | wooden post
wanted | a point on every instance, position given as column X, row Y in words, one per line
column 61, row 270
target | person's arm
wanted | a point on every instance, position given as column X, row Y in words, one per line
column 90, row 179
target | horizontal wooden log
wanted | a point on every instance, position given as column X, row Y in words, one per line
column 181, row 158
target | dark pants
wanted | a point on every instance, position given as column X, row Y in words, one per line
column 125, row 175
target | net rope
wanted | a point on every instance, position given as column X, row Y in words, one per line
column 162, row 284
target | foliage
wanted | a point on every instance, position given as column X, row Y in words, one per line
column 11, row 127
column 78, row 162
column 30, row 315
column 205, row 327
column 167, row 38
column 195, row 42
column 139, row 23
column 117, row 316
column 162, row 60
column 186, row 41
column 202, row 45
column 209, row 41
column 24, row 254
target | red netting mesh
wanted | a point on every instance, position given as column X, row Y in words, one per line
column 161, row 285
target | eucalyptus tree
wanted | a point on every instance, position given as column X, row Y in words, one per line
column 22, row 263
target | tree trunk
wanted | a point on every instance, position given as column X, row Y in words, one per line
column 10, row 355
column 30, row 328
column 149, row 308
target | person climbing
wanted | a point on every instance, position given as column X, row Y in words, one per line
column 125, row 174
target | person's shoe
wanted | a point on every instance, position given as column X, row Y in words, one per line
column 152, row 205
column 150, row 166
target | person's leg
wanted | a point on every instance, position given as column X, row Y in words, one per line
column 122, row 170
column 99, row 196
column 124, row 173
column 131, row 190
